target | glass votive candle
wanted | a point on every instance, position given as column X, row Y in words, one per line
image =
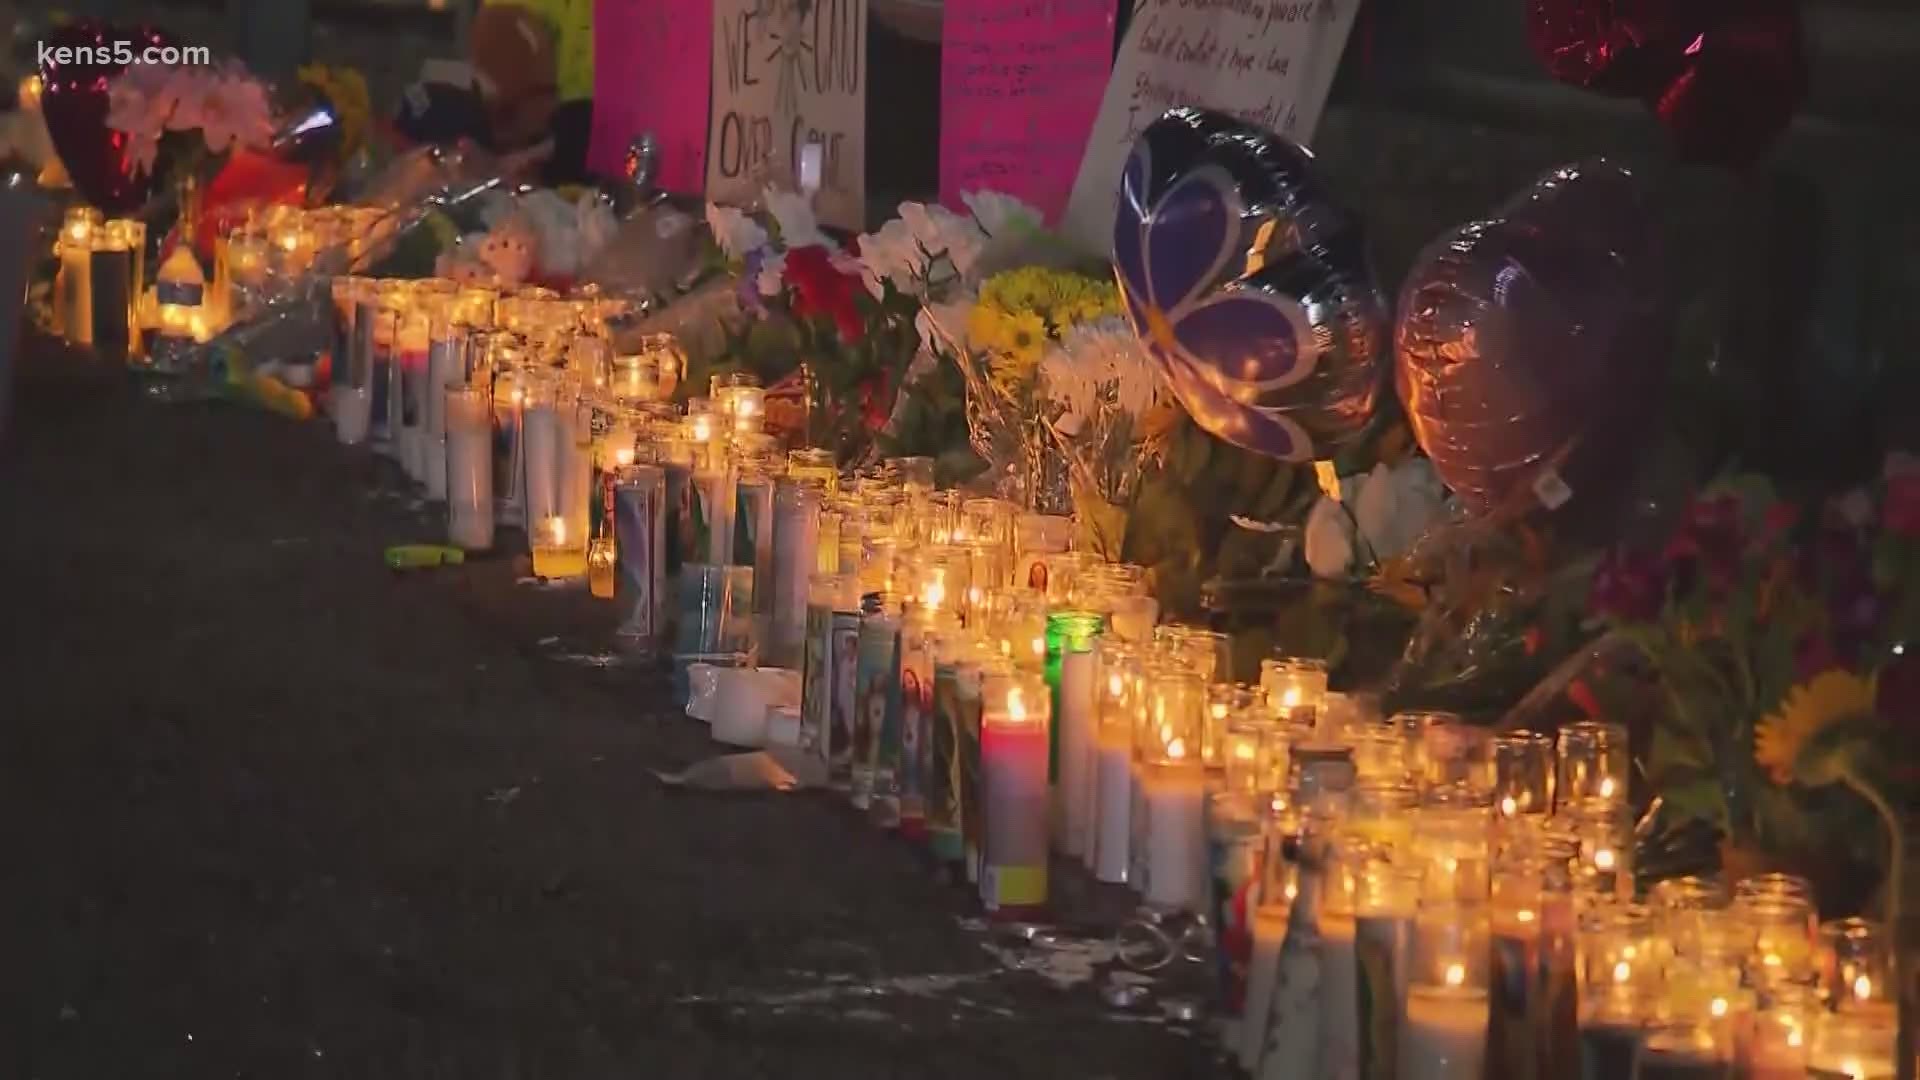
column 1858, row 1045
column 1382, row 813
column 1246, row 755
column 1856, row 964
column 1420, row 731
column 1379, row 754
column 1452, row 847
column 1208, row 652
column 1173, row 713
column 1677, row 904
column 1294, row 686
column 1592, row 762
column 1459, row 757
column 1782, row 1035
column 1224, row 701
column 1620, row 975
column 1522, row 773
column 1020, row 627
column 1604, row 830
column 1783, row 949
column 1444, row 1027
column 813, row 463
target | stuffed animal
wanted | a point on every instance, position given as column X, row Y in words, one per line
column 511, row 249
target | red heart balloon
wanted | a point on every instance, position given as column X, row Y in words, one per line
column 74, row 100
column 1740, row 85
column 1626, row 48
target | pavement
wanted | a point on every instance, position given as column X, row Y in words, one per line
column 272, row 810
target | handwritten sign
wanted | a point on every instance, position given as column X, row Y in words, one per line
column 787, row 73
column 1020, row 84
column 652, row 77
column 1269, row 62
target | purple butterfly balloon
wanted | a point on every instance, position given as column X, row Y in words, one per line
column 1265, row 339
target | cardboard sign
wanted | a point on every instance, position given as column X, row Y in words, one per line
column 653, row 78
column 1269, row 62
column 1020, row 84
column 787, row 73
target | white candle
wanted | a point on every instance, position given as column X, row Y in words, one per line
column 540, row 439
column 1444, row 1034
column 1173, row 798
column 469, row 479
column 1113, row 832
column 412, row 348
column 1263, row 972
column 76, row 275
column 352, row 412
column 1339, row 996
column 574, row 483
column 1076, row 749
column 446, row 367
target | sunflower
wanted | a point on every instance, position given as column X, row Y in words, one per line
column 1809, row 710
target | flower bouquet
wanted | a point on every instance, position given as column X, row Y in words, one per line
column 1781, row 647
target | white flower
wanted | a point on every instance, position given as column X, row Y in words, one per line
column 1103, row 356
column 1396, row 506
column 941, row 232
column 737, row 234
column 595, row 225
column 943, row 326
column 1392, row 506
column 1000, row 214
column 794, row 216
column 1329, row 539
column 773, row 267
column 891, row 254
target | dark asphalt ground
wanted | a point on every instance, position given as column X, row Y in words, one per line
column 269, row 810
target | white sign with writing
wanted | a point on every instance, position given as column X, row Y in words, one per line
column 1269, row 62
column 786, row 74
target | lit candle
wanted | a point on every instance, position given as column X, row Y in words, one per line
column 469, row 481
column 558, row 554
column 1173, row 796
column 1294, row 689
column 1119, row 684
column 1444, row 1035
column 76, row 274
column 796, row 539
column 639, row 528
column 1263, row 971
column 412, row 341
column 1014, row 794
column 1070, row 671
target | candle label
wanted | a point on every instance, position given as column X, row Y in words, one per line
column 816, row 685
column 915, row 721
column 876, row 734
column 413, row 376
column 1380, row 945
column 1512, row 1048
column 180, row 293
column 1234, row 857
column 753, row 534
column 877, row 685
column 843, row 654
column 680, row 546
column 943, row 766
column 638, row 523
column 968, row 708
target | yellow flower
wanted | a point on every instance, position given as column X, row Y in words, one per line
column 986, row 328
column 1025, row 338
column 1809, row 709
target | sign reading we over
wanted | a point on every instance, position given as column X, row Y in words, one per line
column 787, row 73
column 1268, row 62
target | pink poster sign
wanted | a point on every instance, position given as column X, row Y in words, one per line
column 651, row 74
column 1020, row 84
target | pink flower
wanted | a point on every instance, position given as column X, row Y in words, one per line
column 141, row 151
column 142, row 101
column 233, row 111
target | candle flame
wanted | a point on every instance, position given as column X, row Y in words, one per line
column 557, row 530
column 1523, row 915
column 623, row 456
column 1456, row 974
column 1039, row 646
column 1219, row 710
column 1863, row 988
column 1177, row 749
column 702, row 429
column 1793, row 1037
column 1016, row 703
column 1244, row 752
column 1606, row 787
column 934, row 595
column 1509, row 806
column 1622, row 972
column 1290, row 698
column 1719, row 1007
column 30, row 88
column 1115, row 686
column 1603, row 859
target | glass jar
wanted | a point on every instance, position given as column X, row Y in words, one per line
column 1856, row 964
column 1592, row 763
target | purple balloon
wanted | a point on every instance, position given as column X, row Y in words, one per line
column 1528, row 347
column 1247, row 287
